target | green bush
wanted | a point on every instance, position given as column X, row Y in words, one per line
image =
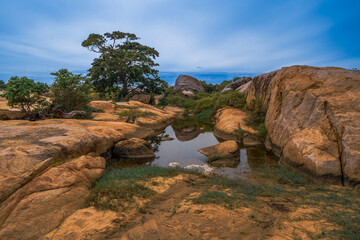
column 2, row 85
column 25, row 93
column 70, row 91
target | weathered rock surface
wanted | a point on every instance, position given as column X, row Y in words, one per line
column 27, row 148
column 153, row 118
column 144, row 98
column 224, row 149
column 188, row 83
column 313, row 117
column 8, row 113
column 236, row 84
column 44, row 202
column 178, row 110
column 134, row 148
column 228, row 121
column 85, row 223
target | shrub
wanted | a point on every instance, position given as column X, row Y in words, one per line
column 25, row 93
column 2, row 85
column 70, row 91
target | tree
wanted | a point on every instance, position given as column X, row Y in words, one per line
column 2, row 85
column 25, row 93
column 70, row 91
column 122, row 61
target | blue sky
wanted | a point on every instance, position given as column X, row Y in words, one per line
column 227, row 36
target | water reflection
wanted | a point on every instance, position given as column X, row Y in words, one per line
column 188, row 137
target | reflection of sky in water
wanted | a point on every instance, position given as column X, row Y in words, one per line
column 184, row 152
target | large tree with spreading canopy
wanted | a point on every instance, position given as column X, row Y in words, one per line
column 123, row 62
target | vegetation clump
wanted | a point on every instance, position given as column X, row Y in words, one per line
column 25, row 93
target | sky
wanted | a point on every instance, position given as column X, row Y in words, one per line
column 226, row 37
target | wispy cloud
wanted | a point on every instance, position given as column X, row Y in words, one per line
column 247, row 36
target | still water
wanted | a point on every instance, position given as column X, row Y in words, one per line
column 180, row 143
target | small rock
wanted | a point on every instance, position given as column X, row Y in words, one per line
column 134, row 148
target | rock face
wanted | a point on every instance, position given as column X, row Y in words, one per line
column 44, row 202
column 144, row 98
column 135, row 112
column 225, row 149
column 188, row 83
column 134, row 148
column 27, row 148
column 313, row 117
column 227, row 123
column 236, row 84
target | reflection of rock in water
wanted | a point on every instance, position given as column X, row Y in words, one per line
column 118, row 163
column 226, row 162
column 258, row 157
column 186, row 133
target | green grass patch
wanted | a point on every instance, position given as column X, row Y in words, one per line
column 118, row 188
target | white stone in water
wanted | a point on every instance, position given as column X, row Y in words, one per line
column 205, row 169
column 175, row 164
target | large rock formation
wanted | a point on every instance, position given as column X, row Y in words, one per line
column 313, row 117
column 185, row 83
column 27, row 148
column 43, row 203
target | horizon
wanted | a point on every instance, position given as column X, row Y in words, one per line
column 205, row 38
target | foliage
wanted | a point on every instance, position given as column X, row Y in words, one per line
column 70, row 91
column 256, row 115
column 135, row 113
column 25, row 93
column 239, row 133
column 123, row 61
column 2, row 85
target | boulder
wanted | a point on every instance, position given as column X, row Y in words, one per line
column 134, row 148
column 236, row 84
column 227, row 123
column 144, row 98
column 11, row 114
column 44, row 202
column 188, row 83
column 225, row 149
column 313, row 117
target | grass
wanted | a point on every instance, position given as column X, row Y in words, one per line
column 135, row 113
column 118, row 188
column 338, row 206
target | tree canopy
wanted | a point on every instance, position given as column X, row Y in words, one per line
column 70, row 91
column 25, row 93
column 122, row 62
